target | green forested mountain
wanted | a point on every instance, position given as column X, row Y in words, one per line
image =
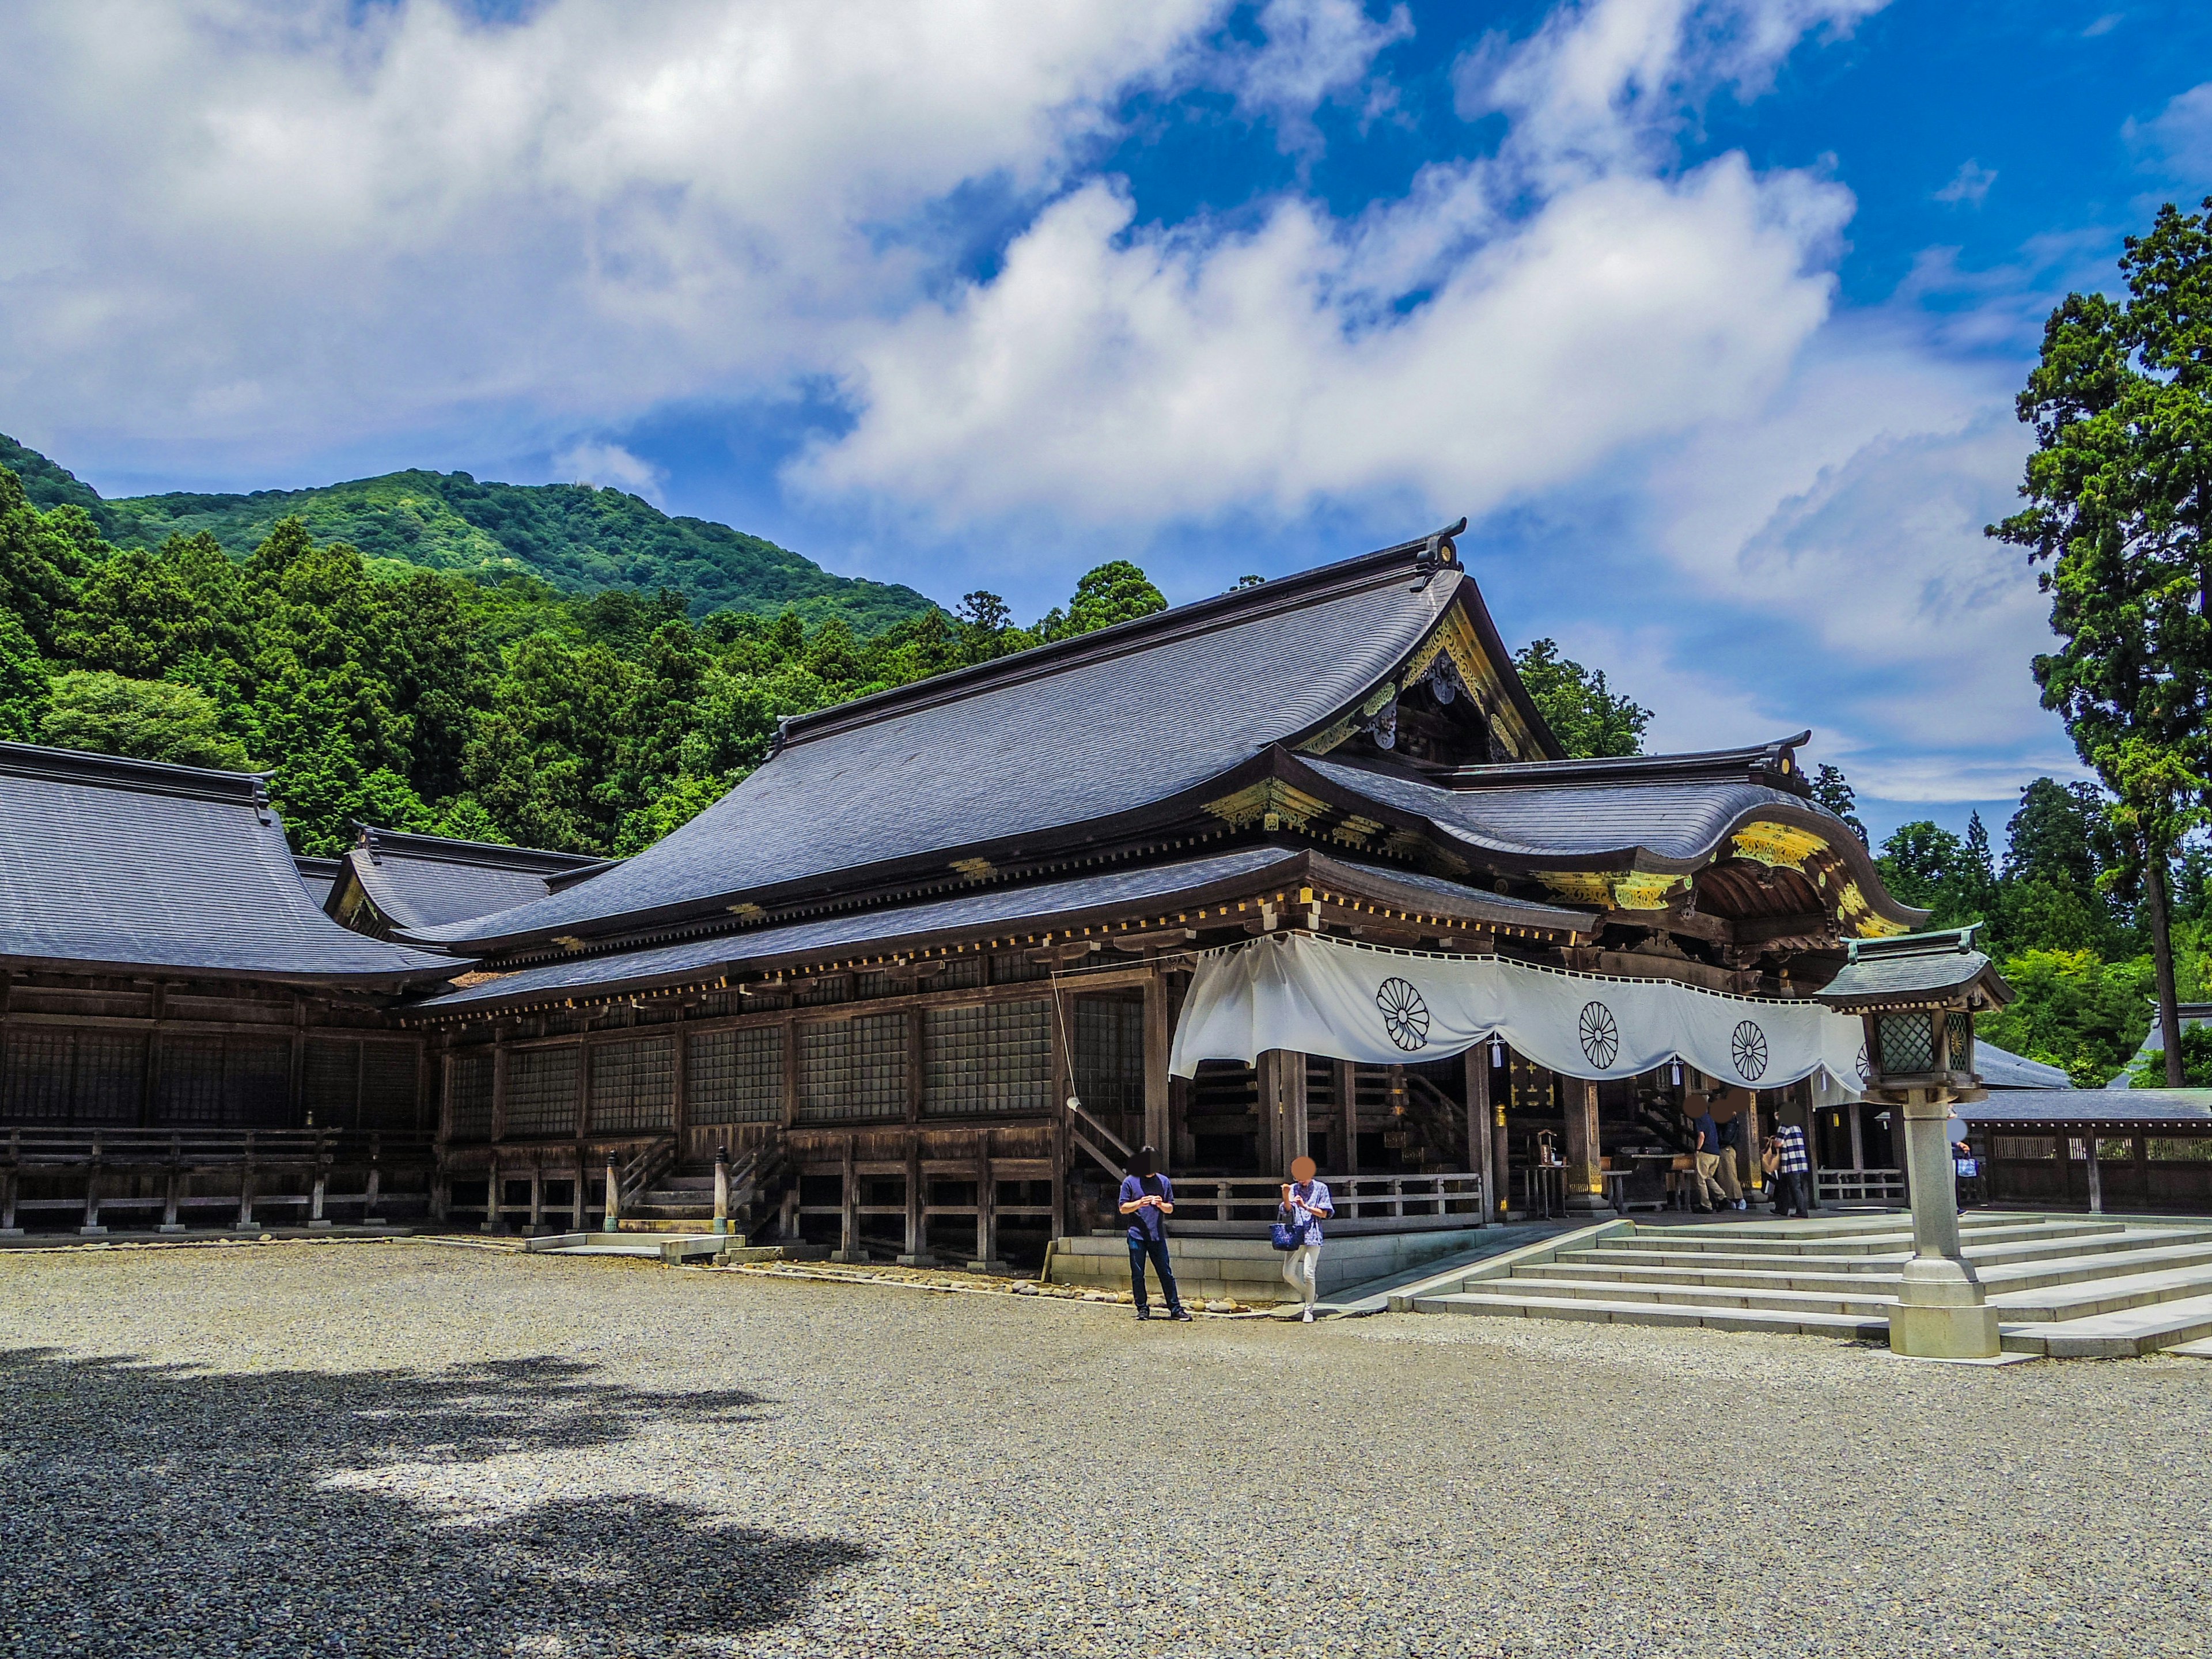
column 577, row 538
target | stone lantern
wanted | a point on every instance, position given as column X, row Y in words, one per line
column 1917, row 995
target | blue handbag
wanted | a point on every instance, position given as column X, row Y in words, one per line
column 1288, row 1235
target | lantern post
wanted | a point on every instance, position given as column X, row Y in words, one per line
column 1917, row 995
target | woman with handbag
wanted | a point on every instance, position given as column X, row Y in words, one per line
column 1306, row 1204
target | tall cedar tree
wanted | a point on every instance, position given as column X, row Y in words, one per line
column 2120, row 492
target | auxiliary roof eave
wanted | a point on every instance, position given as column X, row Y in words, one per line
column 1061, row 906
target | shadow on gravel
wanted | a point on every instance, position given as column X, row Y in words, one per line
column 158, row 1511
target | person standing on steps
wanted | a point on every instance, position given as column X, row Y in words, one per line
column 1306, row 1204
column 1794, row 1169
column 1705, row 1192
column 1147, row 1201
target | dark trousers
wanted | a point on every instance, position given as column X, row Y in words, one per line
column 1157, row 1248
column 1794, row 1195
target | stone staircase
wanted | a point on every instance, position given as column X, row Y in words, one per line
column 2065, row 1287
column 683, row 1200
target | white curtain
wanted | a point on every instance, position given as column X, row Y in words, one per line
column 1380, row 1007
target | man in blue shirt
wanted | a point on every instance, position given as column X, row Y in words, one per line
column 1147, row 1201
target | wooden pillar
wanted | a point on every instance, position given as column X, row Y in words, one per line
column 916, row 1254
column 2096, row 1178
column 320, row 1191
column 986, row 1207
column 1585, row 1185
column 368, row 1218
column 536, row 1195
column 499, row 1058
column 1159, row 1040
column 721, row 1189
column 1298, row 1127
column 1857, row 1110
column 493, row 1222
column 1268, row 1108
column 1754, row 1173
column 1476, row 1062
column 848, row 1247
column 679, row 1117
column 245, row 1222
column 172, row 1186
column 580, row 1214
column 612, row 1220
column 1348, row 1116
column 92, row 1229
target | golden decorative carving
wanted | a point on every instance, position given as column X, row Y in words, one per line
column 1617, row 889
column 1271, row 796
column 1777, row 845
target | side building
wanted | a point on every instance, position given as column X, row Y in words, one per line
column 184, row 1034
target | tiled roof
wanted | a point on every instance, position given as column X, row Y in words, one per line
column 1915, row 966
column 1067, row 734
column 320, row 875
column 1051, row 903
column 1675, row 821
column 2090, row 1107
column 428, row 881
column 106, row 862
column 2000, row 1068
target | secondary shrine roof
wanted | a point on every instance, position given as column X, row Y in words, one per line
column 412, row 881
column 106, row 863
column 1057, row 905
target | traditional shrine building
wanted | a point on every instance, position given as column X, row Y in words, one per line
column 184, row 1034
column 922, row 972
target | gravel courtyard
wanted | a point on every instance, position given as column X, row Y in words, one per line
column 400, row 1448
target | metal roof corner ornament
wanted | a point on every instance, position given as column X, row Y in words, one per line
column 1917, row 994
column 1438, row 552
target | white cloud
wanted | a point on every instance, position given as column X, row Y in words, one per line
column 1970, row 184
column 280, row 223
column 1503, row 327
column 2178, row 138
column 1313, row 52
column 610, row 465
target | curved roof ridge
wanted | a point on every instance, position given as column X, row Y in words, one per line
column 1238, row 604
column 449, row 850
column 98, row 771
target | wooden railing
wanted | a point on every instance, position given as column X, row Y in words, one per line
column 107, row 1156
column 1086, row 1131
column 1859, row 1186
column 1243, row 1207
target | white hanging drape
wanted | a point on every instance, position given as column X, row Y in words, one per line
column 1382, row 1007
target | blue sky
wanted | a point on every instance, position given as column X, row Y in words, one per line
column 1709, row 313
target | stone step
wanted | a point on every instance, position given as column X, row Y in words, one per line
column 2118, row 1335
column 2065, row 1246
column 1876, row 1277
column 2092, row 1298
column 1891, row 1240
column 1651, row 1313
column 1858, row 1300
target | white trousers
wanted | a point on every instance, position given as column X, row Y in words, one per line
column 1302, row 1269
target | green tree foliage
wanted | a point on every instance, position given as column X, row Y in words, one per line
column 418, row 699
column 574, row 538
column 1581, row 710
column 145, row 719
column 2073, row 1009
column 1833, row 791
column 2149, row 1072
column 2119, row 494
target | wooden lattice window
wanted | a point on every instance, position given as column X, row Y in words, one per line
column 232, row 1083
column 468, row 1097
column 1015, row 968
column 55, row 1076
column 994, row 1057
column 633, row 1086
column 853, row 1070
column 833, row 988
column 354, row 1083
column 1110, row 1054
column 541, row 1090
column 960, row 974
column 736, row 1077
column 867, row 985
column 2024, row 1148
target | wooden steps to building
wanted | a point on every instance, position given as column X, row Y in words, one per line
column 2064, row 1286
